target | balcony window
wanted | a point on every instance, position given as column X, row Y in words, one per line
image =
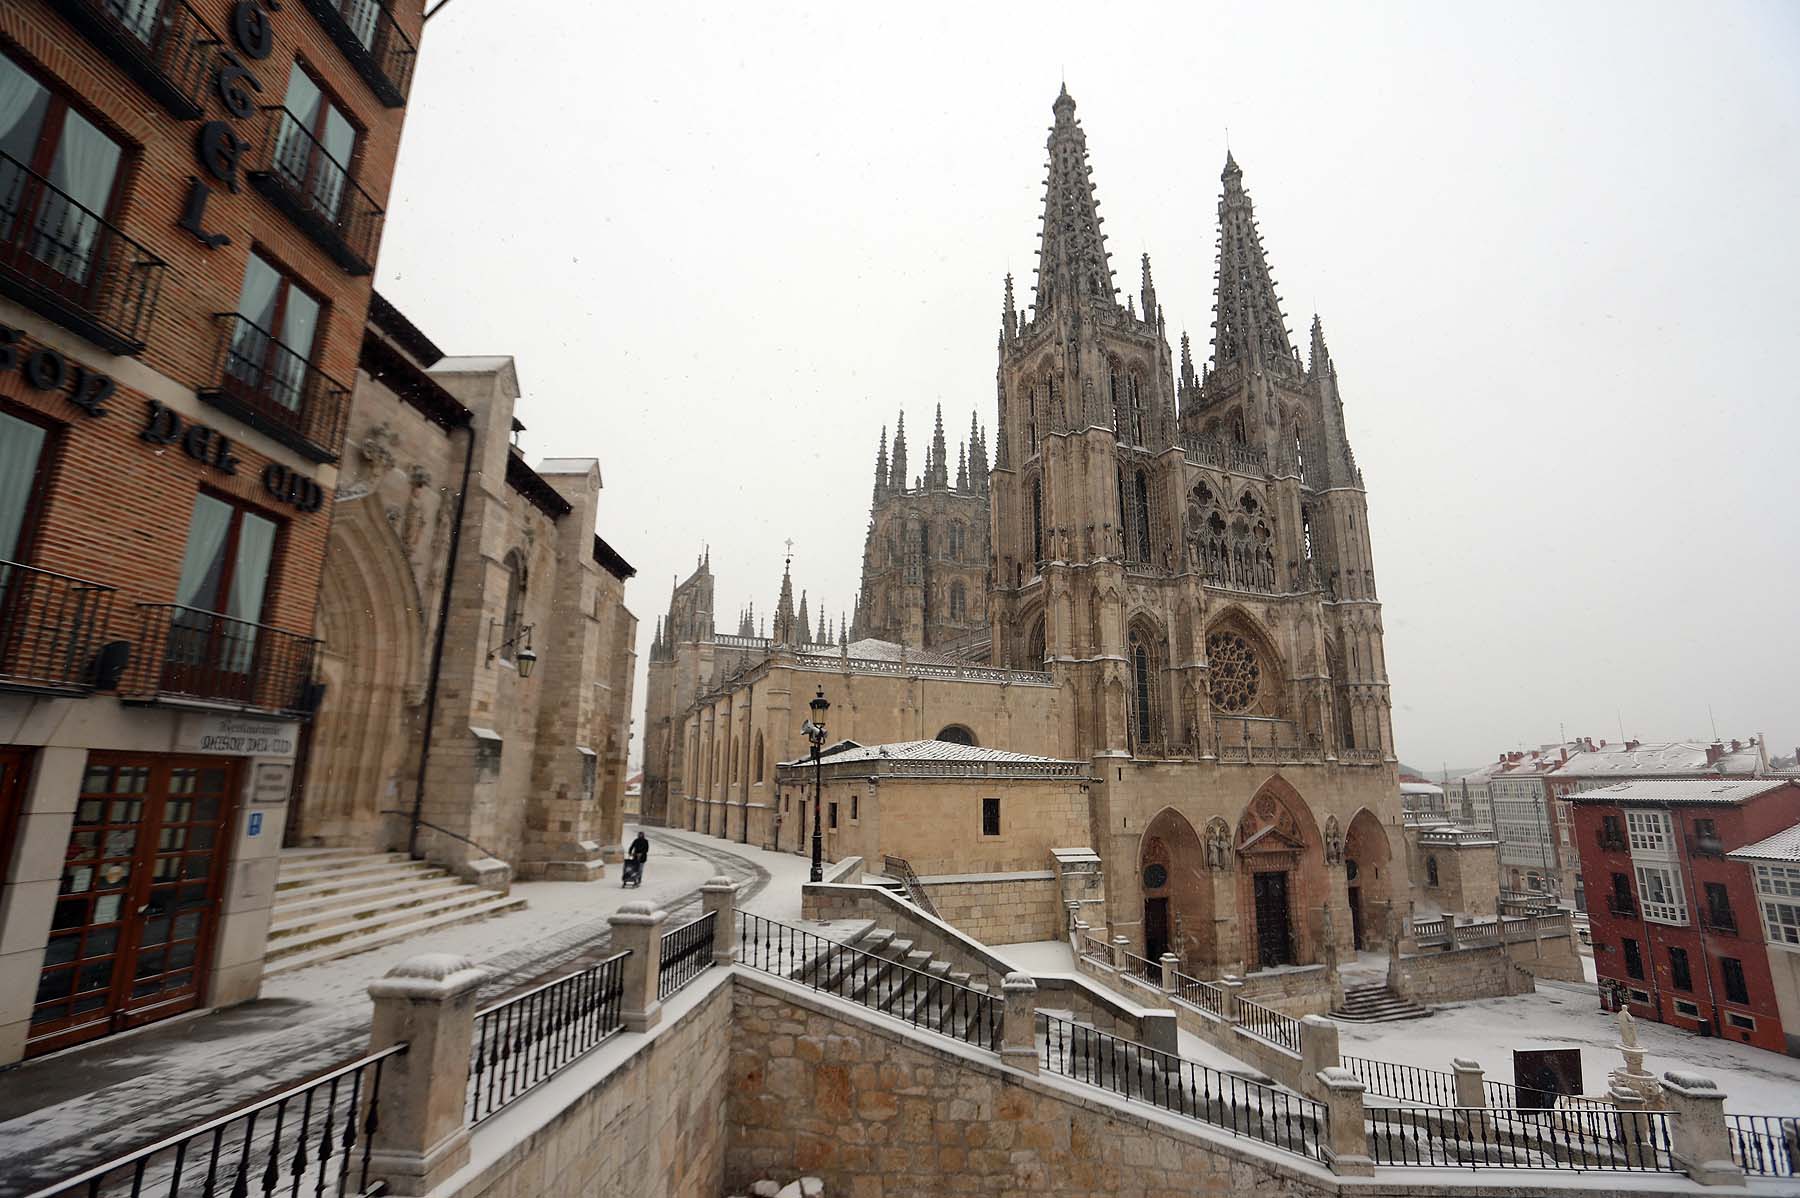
column 21, row 465
column 1737, row 987
column 274, row 337
column 305, row 165
column 1634, row 960
column 1660, row 888
column 1680, row 976
column 226, row 566
column 373, row 42
column 1649, row 831
column 313, row 149
column 1718, row 908
column 162, row 44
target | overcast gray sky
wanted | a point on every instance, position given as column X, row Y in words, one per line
column 1553, row 246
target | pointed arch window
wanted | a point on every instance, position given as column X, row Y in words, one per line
column 1144, row 716
column 958, row 601
column 1140, row 513
column 1034, row 645
column 756, row 759
column 1135, row 386
column 1306, row 544
column 1037, row 520
column 1031, row 419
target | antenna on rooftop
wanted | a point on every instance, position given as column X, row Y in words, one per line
column 1714, row 720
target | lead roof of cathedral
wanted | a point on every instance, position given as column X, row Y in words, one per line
column 931, row 750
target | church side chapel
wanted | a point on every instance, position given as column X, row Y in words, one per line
column 1181, row 553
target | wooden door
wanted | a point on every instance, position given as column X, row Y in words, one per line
column 1156, row 928
column 1274, row 944
column 1356, row 918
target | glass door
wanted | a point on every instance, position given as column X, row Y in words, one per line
column 138, row 902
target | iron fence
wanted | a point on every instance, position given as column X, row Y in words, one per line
column 1408, row 1083
column 314, row 1138
column 922, row 998
column 521, row 1041
column 1765, row 1145
column 163, row 44
column 65, row 260
column 901, row 869
column 187, row 653
column 1096, row 949
column 1528, row 1098
column 1143, row 967
column 316, row 191
column 1283, row 1031
column 1205, row 995
column 1486, row 1138
column 686, row 953
column 1140, row 1073
column 272, row 388
column 51, row 625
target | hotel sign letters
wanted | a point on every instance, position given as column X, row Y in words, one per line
column 47, row 370
column 217, row 147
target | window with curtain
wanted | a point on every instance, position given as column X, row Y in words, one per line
column 274, row 339
column 40, row 134
column 21, row 457
column 316, row 143
column 224, row 572
column 360, row 15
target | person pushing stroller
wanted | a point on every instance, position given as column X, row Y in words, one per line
column 635, row 856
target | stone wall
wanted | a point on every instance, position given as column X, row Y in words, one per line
column 1000, row 909
column 650, row 1123
column 1462, row 974
column 1296, row 992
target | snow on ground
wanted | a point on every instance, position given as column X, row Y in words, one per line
column 780, row 899
column 1563, row 1015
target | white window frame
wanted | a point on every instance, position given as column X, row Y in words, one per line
column 1689, row 1009
column 1741, row 1021
column 1781, row 922
column 1648, row 831
column 1673, row 908
column 1778, row 881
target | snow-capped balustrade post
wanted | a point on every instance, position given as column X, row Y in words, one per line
column 638, row 927
column 1318, row 1045
column 1120, row 946
column 1346, row 1138
column 1171, row 965
column 718, row 898
column 420, row 1136
column 1701, row 1142
column 1230, row 986
column 1018, row 1023
column 1471, row 1082
column 1076, row 926
column 1634, row 1126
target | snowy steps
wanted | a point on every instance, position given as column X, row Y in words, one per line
column 1376, row 1004
column 331, row 903
column 887, row 972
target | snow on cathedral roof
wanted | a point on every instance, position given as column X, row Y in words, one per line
column 931, row 750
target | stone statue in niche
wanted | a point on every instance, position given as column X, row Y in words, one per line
column 1334, row 842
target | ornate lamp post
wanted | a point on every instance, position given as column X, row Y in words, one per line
column 814, row 729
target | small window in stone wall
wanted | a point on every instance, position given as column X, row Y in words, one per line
column 832, row 812
column 990, row 817
column 855, row 808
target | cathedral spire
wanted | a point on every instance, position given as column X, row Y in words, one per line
column 881, row 467
column 1009, row 314
column 784, row 608
column 805, row 629
column 1186, row 389
column 1072, row 260
column 937, row 471
column 962, row 466
column 746, row 622
column 1320, row 362
column 1147, row 292
column 897, row 473
column 1247, row 320
column 824, row 638
column 978, row 458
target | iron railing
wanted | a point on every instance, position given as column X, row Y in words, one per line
column 901, row 868
column 1719, row 919
column 66, row 261
column 1529, row 1098
column 686, row 953
column 1144, row 968
column 314, row 1138
column 1611, row 842
column 1485, row 1138
column 1408, row 1083
column 375, row 46
column 1619, row 904
column 1205, row 995
column 162, row 44
column 1283, row 1031
column 522, row 1040
column 1095, row 948
column 185, row 653
column 922, row 999
column 1765, row 1145
column 316, row 191
column 1140, row 1073
column 51, row 625
column 270, row 387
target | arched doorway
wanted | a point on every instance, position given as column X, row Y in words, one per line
column 955, row 734
column 1178, row 906
column 1281, row 878
column 1368, row 878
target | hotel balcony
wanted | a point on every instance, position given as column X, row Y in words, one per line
column 273, row 389
column 375, row 46
column 315, row 191
column 162, row 44
column 68, row 263
column 192, row 658
column 51, row 628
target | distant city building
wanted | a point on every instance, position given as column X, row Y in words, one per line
column 1678, row 870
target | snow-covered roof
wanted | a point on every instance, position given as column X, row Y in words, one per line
column 931, row 750
column 870, row 649
column 1783, row 846
column 471, row 364
column 1421, row 788
column 1683, row 790
column 1667, row 757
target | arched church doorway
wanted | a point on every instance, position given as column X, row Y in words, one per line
column 1368, row 873
column 1280, row 877
column 1178, row 906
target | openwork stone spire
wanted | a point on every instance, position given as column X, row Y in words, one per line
column 937, row 474
column 881, row 466
column 1072, row 261
column 784, row 609
column 897, row 476
column 1247, row 321
column 1320, row 363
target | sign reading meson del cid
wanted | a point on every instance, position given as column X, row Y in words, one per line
column 237, row 737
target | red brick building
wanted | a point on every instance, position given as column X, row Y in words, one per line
column 1675, row 924
column 191, row 203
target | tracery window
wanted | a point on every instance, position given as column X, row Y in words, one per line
column 1037, row 520
column 1135, row 386
column 757, row 759
column 958, row 600
column 1236, row 674
column 1141, row 516
column 1143, row 686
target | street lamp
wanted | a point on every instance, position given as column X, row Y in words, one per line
column 814, row 729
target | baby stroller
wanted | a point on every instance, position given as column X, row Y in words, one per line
column 633, row 873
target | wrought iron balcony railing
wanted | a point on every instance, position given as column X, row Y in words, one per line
column 376, row 47
column 300, row 177
column 64, row 260
column 1705, row 846
column 51, row 627
column 188, row 655
column 1612, row 842
column 1719, row 919
column 270, row 387
column 162, row 44
column 1620, row 904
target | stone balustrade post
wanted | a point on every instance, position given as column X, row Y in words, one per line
column 638, row 926
column 1018, row 1023
column 1634, row 1130
column 1229, row 988
column 1471, row 1091
column 1318, row 1047
column 719, row 899
column 1171, row 965
column 1701, row 1140
column 428, row 1004
column 1120, row 946
column 1074, row 921
column 1346, row 1136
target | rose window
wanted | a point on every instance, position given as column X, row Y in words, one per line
column 1235, row 674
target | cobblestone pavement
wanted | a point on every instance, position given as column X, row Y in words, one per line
column 69, row 1112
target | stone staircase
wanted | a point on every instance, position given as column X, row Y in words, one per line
column 330, row 903
column 1375, row 1003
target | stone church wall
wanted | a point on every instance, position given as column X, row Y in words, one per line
column 1000, row 909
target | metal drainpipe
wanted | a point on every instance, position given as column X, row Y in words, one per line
column 437, row 649
column 1691, row 885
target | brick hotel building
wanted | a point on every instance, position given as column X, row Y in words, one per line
column 191, row 200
